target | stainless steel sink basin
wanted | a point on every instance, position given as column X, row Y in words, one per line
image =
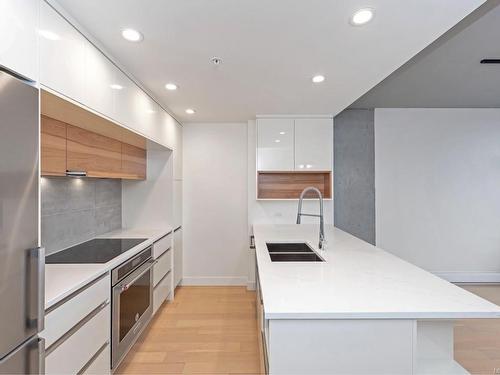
column 292, row 252
column 295, row 257
column 284, row 247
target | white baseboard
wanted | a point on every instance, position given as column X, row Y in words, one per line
column 251, row 285
column 470, row 277
column 214, row 281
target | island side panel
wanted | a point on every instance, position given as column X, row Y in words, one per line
column 341, row 347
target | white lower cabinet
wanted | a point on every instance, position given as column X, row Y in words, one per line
column 77, row 331
column 77, row 351
column 162, row 291
column 162, row 267
column 100, row 364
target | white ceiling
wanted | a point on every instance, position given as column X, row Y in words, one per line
column 448, row 74
column 271, row 49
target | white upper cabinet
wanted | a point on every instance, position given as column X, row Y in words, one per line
column 62, row 54
column 123, row 98
column 99, row 78
column 18, row 36
column 177, row 152
column 313, row 144
column 275, row 145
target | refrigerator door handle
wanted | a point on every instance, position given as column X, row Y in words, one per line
column 36, row 285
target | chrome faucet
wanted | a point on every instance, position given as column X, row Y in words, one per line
column 322, row 240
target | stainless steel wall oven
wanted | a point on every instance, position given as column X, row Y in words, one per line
column 132, row 302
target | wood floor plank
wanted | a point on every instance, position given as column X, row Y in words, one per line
column 206, row 330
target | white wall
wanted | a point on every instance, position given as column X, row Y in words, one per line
column 149, row 203
column 215, row 204
column 437, row 183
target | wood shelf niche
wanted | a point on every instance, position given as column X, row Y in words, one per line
column 289, row 185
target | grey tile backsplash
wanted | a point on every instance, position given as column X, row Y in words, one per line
column 75, row 210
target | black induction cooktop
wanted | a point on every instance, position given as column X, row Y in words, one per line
column 99, row 250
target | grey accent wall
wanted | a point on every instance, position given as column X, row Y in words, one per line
column 354, row 173
column 75, row 210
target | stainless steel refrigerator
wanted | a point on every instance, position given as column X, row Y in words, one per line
column 21, row 259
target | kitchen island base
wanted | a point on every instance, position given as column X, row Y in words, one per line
column 360, row 347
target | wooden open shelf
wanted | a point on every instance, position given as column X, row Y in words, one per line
column 289, row 185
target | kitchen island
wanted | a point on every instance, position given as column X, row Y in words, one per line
column 361, row 311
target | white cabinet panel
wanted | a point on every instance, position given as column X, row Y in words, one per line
column 18, row 36
column 76, row 351
column 178, row 256
column 100, row 365
column 99, row 76
column 313, row 144
column 162, row 267
column 177, row 152
column 177, row 203
column 62, row 54
column 167, row 129
column 275, row 145
column 161, row 292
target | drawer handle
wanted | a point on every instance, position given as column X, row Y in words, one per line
column 76, row 327
column 93, row 358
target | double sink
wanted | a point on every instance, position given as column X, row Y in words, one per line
column 292, row 252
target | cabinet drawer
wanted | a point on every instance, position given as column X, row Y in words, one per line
column 161, row 292
column 61, row 319
column 163, row 266
column 77, row 350
column 100, row 365
column 162, row 245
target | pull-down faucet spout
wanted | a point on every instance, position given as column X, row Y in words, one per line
column 322, row 241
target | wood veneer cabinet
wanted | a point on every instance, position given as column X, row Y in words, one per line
column 53, row 147
column 93, row 153
column 133, row 162
column 66, row 147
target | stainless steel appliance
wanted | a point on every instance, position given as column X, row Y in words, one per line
column 132, row 302
column 22, row 261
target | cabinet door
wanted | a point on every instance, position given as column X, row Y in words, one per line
column 177, row 257
column 145, row 113
column 18, row 41
column 134, row 161
column 62, row 54
column 313, row 144
column 275, row 145
column 98, row 155
column 53, row 147
column 99, row 78
column 123, row 99
column 177, row 152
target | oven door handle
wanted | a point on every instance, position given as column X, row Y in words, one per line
column 141, row 271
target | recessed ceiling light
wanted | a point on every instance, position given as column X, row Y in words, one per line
column 50, row 35
column 116, row 86
column 318, row 79
column 190, row 111
column 132, row 35
column 277, row 141
column 282, row 133
column 171, row 86
column 362, row 16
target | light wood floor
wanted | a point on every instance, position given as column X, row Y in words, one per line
column 477, row 341
column 206, row 330
column 213, row 330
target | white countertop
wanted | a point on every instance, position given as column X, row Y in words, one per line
column 63, row 279
column 356, row 281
